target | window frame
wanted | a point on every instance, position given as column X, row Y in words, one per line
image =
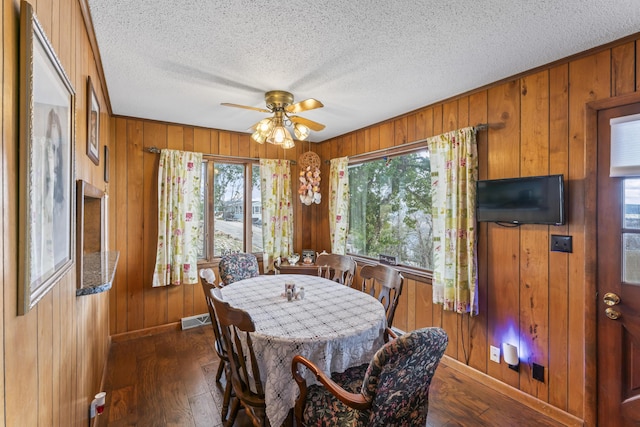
column 211, row 260
column 415, row 273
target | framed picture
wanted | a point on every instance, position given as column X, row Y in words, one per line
column 93, row 124
column 46, row 166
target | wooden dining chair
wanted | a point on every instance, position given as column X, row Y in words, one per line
column 236, row 326
column 207, row 279
column 237, row 266
column 392, row 390
column 339, row 268
column 385, row 284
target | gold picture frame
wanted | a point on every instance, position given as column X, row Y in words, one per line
column 93, row 123
column 46, row 222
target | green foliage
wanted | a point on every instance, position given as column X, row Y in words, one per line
column 390, row 208
column 228, row 183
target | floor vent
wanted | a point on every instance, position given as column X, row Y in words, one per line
column 195, row 321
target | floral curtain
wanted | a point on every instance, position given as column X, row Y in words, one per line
column 339, row 204
column 454, row 172
column 179, row 207
column 277, row 210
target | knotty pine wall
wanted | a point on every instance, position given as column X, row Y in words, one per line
column 134, row 304
column 53, row 357
column 526, row 292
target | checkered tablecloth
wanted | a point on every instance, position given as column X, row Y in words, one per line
column 334, row 326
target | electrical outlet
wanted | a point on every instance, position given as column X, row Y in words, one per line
column 538, row 372
column 494, row 355
column 561, row 243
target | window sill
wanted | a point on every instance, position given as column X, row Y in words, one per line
column 420, row 275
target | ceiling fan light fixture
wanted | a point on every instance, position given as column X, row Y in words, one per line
column 259, row 137
column 277, row 129
column 288, row 142
column 265, row 125
column 301, row 131
column 277, row 135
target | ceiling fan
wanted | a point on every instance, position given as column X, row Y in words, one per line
column 273, row 129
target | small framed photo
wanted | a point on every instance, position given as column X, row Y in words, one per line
column 308, row 256
column 93, row 124
column 46, row 221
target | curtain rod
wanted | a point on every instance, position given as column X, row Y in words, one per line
column 156, row 150
column 479, row 127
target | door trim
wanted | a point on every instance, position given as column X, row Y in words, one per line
column 590, row 241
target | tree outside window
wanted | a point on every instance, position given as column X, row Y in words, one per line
column 390, row 205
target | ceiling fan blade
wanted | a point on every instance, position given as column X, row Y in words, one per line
column 308, row 123
column 246, row 107
column 306, row 105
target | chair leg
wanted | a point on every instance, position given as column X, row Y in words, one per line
column 220, row 370
column 235, row 408
column 226, row 400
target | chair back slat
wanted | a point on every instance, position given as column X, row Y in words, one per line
column 339, row 268
column 387, row 283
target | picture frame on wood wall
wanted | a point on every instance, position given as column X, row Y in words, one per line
column 93, row 123
column 46, row 221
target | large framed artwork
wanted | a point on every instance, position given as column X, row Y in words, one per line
column 93, row 124
column 46, row 247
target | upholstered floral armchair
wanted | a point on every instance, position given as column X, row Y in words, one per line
column 237, row 266
column 392, row 390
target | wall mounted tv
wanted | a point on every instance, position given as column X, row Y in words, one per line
column 526, row 200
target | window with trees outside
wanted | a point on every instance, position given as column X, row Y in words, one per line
column 390, row 205
column 231, row 218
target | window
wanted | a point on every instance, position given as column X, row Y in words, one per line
column 631, row 232
column 390, row 204
column 229, row 190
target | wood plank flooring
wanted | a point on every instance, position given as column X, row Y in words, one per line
column 169, row 380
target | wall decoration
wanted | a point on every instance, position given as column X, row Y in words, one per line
column 93, row 123
column 309, row 190
column 46, row 166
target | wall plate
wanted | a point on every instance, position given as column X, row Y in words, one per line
column 561, row 243
column 494, row 354
column 538, row 372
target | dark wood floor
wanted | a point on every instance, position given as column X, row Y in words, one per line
column 169, row 380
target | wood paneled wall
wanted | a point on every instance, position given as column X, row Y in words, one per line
column 135, row 305
column 527, row 294
column 54, row 356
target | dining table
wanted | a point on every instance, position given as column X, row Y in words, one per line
column 334, row 326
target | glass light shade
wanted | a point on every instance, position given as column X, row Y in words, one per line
column 278, row 135
column 259, row 137
column 288, row 142
column 265, row 125
column 301, row 131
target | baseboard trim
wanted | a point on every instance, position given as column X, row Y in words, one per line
column 126, row 336
column 517, row 395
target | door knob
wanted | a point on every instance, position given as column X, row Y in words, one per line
column 612, row 314
column 611, row 299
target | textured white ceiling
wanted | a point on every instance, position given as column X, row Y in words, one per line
column 367, row 61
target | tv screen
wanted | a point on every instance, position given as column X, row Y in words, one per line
column 527, row 200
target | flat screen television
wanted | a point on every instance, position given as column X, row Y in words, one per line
column 526, row 200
